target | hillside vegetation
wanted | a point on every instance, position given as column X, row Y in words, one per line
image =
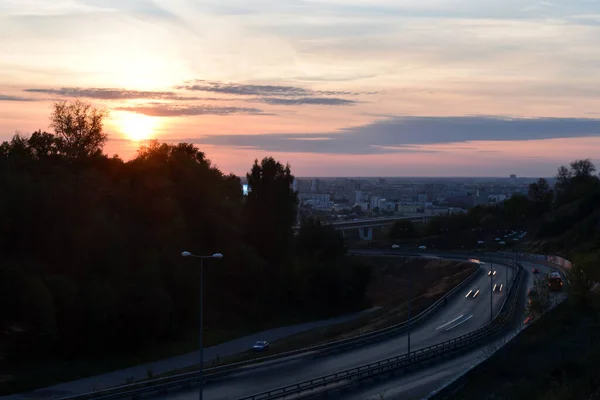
column 558, row 357
column 91, row 272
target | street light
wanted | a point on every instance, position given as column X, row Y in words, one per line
column 395, row 247
column 506, row 266
column 491, row 291
column 482, row 243
column 216, row 255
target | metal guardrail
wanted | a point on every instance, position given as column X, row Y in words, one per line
column 446, row 348
column 190, row 378
column 452, row 387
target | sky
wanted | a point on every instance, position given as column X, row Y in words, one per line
column 333, row 87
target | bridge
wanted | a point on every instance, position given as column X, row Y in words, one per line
column 365, row 226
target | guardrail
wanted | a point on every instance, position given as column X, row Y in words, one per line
column 452, row 387
column 443, row 349
column 191, row 378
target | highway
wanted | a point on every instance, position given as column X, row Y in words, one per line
column 418, row 384
column 460, row 315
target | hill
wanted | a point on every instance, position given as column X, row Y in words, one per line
column 557, row 357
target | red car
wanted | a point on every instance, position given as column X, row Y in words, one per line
column 535, row 270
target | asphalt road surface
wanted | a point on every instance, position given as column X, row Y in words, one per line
column 119, row 377
column 460, row 315
column 419, row 384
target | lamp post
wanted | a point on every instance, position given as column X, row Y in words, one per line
column 216, row 255
column 396, row 247
column 491, row 261
column 491, row 291
column 502, row 243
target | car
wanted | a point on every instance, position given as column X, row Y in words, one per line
column 498, row 287
column 490, row 273
column 535, row 270
column 472, row 293
column 261, row 345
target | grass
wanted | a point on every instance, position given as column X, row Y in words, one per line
column 33, row 374
column 388, row 290
column 432, row 279
column 557, row 358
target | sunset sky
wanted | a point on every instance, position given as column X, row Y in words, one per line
column 334, row 87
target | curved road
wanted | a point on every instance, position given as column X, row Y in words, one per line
column 420, row 383
column 461, row 315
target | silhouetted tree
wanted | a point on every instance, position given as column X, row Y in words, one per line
column 575, row 182
column 271, row 209
column 539, row 298
column 540, row 191
column 584, row 272
column 517, row 208
column 318, row 242
column 90, row 245
column 582, row 168
column 78, row 127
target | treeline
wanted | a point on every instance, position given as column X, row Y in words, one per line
column 562, row 220
column 577, row 190
column 90, row 245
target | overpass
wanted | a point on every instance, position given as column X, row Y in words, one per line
column 365, row 226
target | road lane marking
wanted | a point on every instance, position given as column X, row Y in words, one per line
column 458, row 323
column 476, row 293
column 470, row 291
column 448, row 323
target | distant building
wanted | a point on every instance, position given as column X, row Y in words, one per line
column 314, row 196
column 314, row 185
column 360, row 196
column 375, row 202
column 513, row 179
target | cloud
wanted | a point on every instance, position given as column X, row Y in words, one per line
column 410, row 134
column 279, row 95
column 257, row 90
column 184, row 110
column 326, row 101
column 112, row 94
column 123, row 94
column 4, row 97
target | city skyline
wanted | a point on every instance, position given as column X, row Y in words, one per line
column 437, row 88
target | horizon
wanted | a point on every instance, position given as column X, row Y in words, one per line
column 438, row 89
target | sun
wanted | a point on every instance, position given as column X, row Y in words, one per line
column 137, row 127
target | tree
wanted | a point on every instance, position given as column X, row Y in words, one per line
column 271, row 209
column 318, row 242
column 584, row 272
column 403, row 229
column 539, row 298
column 540, row 191
column 582, row 168
column 78, row 127
column 575, row 182
column 517, row 208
